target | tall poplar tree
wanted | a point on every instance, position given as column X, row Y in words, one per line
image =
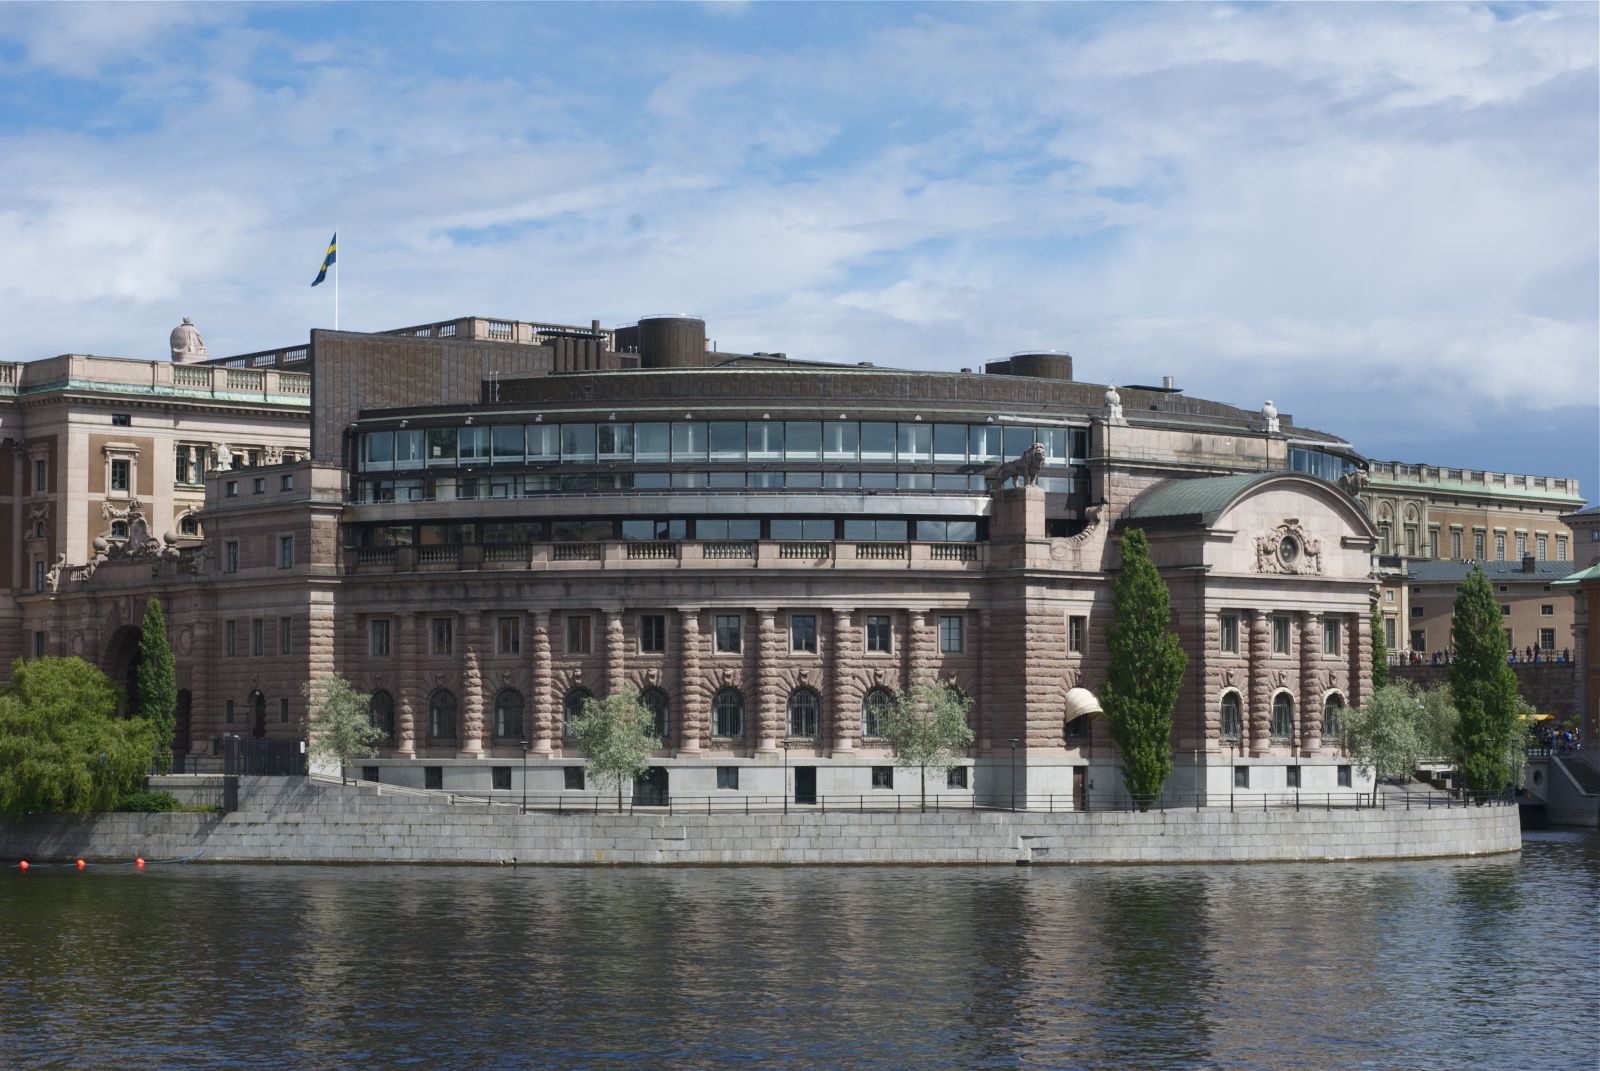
column 157, row 683
column 1147, row 667
column 1484, row 687
column 1380, row 651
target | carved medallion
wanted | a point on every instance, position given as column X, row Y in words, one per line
column 185, row 642
column 1289, row 549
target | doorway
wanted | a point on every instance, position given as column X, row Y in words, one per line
column 805, row 784
column 650, row 788
column 259, row 730
column 1080, row 789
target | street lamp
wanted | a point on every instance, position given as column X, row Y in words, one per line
column 524, row 776
column 1014, row 743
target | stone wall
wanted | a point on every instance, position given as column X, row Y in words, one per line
column 1552, row 687
column 293, row 820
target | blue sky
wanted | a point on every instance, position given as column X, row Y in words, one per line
column 1382, row 217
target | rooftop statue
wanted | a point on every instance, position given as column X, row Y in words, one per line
column 187, row 345
column 1024, row 470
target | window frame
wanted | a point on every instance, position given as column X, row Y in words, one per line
column 508, row 634
column 879, row 630
column 441, row 636
column 797, row 699
column 952, row 633
column 580, row 634
column 652, row 633
column 727, row 633
column 727, row 704
column 378, row 638
column 803, row 633
column 286, row 552
column 1228, row 633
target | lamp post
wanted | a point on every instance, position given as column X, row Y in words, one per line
column 524, row 776
column 1014, row 743
column 786, row 773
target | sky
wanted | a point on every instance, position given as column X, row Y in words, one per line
column 1381, row 217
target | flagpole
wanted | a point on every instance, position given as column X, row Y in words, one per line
column 336, row 279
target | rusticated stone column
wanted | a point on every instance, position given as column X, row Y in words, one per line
column 1260, row 690
column 472, row 727
column 1310, row 694
column 1360, row 660
column 404, row 648
column 922, row 658
column 541, row 682
column 689, row 699
column 840, row 670
column 615, row 644
column 768, row 707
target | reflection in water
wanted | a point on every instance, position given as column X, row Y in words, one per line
column 1367, row 965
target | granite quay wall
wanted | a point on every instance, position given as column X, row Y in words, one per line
column 293, row 820
column 1552, row 687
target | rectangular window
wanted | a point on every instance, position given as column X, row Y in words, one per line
column 378, row 631
column 1547, row 639
column 227, row 707
column 880, row 634
column 40, row 474
column 258, row 486
column 727, row 777
column 1522, row 546
column 1433, row 542
column 1292, row 776
column 1411, row 541
column 950, row 638
column 1077, row 634
column 1344, row 777
column 1280, row 635
column 283, row 711
column 231, row 489
column 38, row 574
column 1547, row 609
column 258, row 637
column 1388, row 632
column 803, row 633
column 578, row 633
column 1477, row 545
column 1455, row 545
column 883, row 777
column 286, row 482
column 1500, row 546
column 1505, row 609
column 508, row 636
column 955, row 777
column 1416, row 611
column 727, row 632
column 501, row 779
column 1419, row 639
column 286, row 552
column 120, row 469
column 433, row 777
column 369, row 773
column 444, row 636
column 1388, row 596
column 38, row 644
column 652, row 633
column 1541, row 545
column 1561, row 548
column 1241, row 777
column 572, row 778
column 1230, row 634
column 1331, row 637
column 230, row 638
column 285, row 635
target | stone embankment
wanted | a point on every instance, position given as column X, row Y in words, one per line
column 293, row 820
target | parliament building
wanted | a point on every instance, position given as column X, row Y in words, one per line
column 483, row 522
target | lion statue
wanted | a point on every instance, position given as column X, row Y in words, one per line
column 1024, row 469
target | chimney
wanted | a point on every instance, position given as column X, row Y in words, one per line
column 1527, row 563
column 1166, row 382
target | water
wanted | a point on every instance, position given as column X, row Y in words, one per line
column 1488, row 963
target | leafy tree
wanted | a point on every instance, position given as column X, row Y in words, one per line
column 157, row 683
column 926, row 727
column 617, row 735
column 1380, row 650
column 62, row 747
column 1147, row 667
column 1484, row 687
column 1382, row 736
column 1436, row 730
column 341, row 721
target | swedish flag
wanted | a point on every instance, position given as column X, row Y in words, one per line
column 327, row 261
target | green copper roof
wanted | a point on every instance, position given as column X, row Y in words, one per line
column 1198, row 501
column 1591, row 573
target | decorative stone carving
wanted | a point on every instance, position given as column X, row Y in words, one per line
column 272, row 455
column 1354, row 482
column 187, row 345
column 221, row 457
column 1289, row 550
column 1269, row 417
column 1113, row 411
column 1023, row 470
column 1061, row 549
column 185, row 640
column 52, row 577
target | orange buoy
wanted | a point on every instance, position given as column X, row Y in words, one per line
column 22, row 865
column 138, row 863
column 80, row 864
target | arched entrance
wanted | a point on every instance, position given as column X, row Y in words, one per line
column 122, row 665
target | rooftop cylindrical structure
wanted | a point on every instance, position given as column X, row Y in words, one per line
column 675, row 340
column 1034, row 364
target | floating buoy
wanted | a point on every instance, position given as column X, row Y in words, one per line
column 80, row 864
column 138, row 864
column 22, row 865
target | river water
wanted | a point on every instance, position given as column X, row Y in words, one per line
column 1486, row 963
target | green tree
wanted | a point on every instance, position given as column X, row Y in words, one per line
column 340, row 721
column 1146, row 671
column 1484, row 687
column 617, row 735
column 157, row 682
column 1382, row 736
column 62, row 747
column 926, row 727
column 1436, row 732
column 1380, row 650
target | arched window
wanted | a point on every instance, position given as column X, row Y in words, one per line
column 1231, row 719
column 660, row 707
column 1282, row 717
column 38, row 530
column 805, row 707
column 119, row 529
column 727, row 712
column 1078, row 729
column 572, row 707
column 442, row 716
column 380, row 708
column 508, row 714
column 874, row 706
column 189, row 525
column 1333, row 717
